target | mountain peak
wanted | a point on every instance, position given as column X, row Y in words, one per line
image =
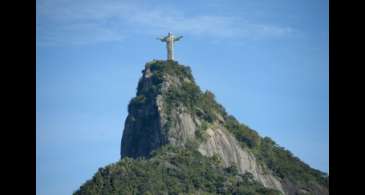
column 170, row 110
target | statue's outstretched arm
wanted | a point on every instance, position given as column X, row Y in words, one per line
column 178, row 38
column 163, row 39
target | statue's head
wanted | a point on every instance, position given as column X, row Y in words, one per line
column 169, row 33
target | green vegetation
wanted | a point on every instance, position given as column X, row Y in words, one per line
column 172, row 170
column 203, row 105
column 160, row 68
column 198, row 103
column 281, row 161
column 245, row 135
column 186, row 93
column 286, row 166
column 200, row 132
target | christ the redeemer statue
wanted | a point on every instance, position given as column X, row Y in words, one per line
column 170, row 39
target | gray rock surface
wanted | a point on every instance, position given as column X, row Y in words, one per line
column 222, row 143
column 150, row 126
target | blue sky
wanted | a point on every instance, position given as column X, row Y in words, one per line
column 266, row 62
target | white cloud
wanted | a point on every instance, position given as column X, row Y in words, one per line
column 70, row 22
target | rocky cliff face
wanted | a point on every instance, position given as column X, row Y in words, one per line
column 169, row 108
